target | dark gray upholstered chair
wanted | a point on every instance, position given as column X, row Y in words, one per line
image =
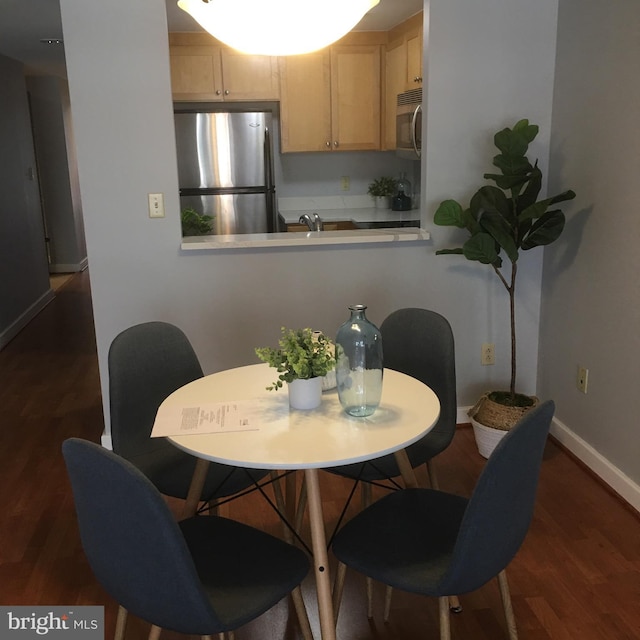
column 420, row 343
column 202, row 576
column 148, row 362
column 439, row 544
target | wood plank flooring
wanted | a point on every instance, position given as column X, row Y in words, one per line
column 577, row 575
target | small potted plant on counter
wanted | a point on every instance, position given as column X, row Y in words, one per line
column 195, row 224
column 381, row 190
column 303, row 358
column 501, row 221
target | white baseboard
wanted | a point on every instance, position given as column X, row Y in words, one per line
column 624, row 486
column 69, row 268
column 20, row 323
column 105, row 441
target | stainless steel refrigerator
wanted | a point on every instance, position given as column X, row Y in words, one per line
column 225, row 168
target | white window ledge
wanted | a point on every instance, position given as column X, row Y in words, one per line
column 301, row 239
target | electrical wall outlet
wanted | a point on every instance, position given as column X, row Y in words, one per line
column 488, row 353
column 345, row 183
column 582, row 379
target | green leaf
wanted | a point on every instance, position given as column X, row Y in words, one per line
column 491, row 199
column 449, row 213
column 481, row 247
column 530, row 194
column 515, row 142
column 537, row 209
column 511, row 165
column 501, row 232
column 528, row 131
column 545, row 230
column 507, row 182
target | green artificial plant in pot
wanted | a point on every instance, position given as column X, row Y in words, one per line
column 302, row 355
column 381, row 190
column 503, row 220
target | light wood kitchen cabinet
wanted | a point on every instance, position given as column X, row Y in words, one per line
column 203, row 69
column 403, row 71
column 330, row 99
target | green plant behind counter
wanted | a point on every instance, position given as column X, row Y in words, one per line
column 382, row 187
column 195, row 224
column 507, row 218
column 300, row 356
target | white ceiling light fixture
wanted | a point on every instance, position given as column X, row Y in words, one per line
column 277, row 27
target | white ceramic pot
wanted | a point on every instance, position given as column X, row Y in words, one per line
column 305, row 394
column 487, row 438
column 382, row 202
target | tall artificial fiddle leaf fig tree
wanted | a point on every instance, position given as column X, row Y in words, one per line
column 506, row 218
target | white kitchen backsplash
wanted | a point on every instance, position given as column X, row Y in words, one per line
column 324, row 203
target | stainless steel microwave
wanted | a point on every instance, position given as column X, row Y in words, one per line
column 409, row 124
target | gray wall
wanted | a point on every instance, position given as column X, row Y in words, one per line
column 117, row 59
column 24, row 285
column 590, row 286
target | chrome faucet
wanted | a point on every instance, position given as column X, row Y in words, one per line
column 314, row 223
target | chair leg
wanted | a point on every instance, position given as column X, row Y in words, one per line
column 302, row 505
column 338, row 588
column 454, row 604
column 387, row 602
column 433, row 478
column 154, row 634
column 445, row 629
column 366, row 500
column 506, row 603
column 301, row 612
column 121, row 623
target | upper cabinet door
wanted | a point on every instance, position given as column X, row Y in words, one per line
column 248, row 77
column 305, row 107
column 196, row 73
column 202, row 69
column 355, row 97
column 414, row 58
column 395, row 83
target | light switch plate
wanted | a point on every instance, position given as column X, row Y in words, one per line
column 156, row 205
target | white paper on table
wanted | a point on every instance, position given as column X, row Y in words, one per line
column 218, row 417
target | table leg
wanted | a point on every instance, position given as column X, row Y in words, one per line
column 195, row 488
column 320, row 557
column 406, row 470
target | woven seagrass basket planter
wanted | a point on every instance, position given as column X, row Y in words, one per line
column 491, row 421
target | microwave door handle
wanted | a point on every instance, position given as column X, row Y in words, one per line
column 414, row 122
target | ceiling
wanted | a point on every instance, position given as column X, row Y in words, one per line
column 23, row 24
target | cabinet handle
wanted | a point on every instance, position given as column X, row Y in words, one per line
column 335, row 143
column 417, row 79
column 328, row 144
column 218, row 92
column 226, row 92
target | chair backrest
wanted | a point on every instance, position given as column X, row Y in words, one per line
column 147, row 362
column 134, row 546
column 500, row 510
column 420, row 343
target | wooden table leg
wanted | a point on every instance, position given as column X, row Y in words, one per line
column 406, row 470
column 320, row 557
column 195, row 489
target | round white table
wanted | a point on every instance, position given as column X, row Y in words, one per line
column 289, row 439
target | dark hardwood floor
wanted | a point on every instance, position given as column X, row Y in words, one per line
column 577, row 575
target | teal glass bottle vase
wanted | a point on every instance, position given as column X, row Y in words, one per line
column 359, row 364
